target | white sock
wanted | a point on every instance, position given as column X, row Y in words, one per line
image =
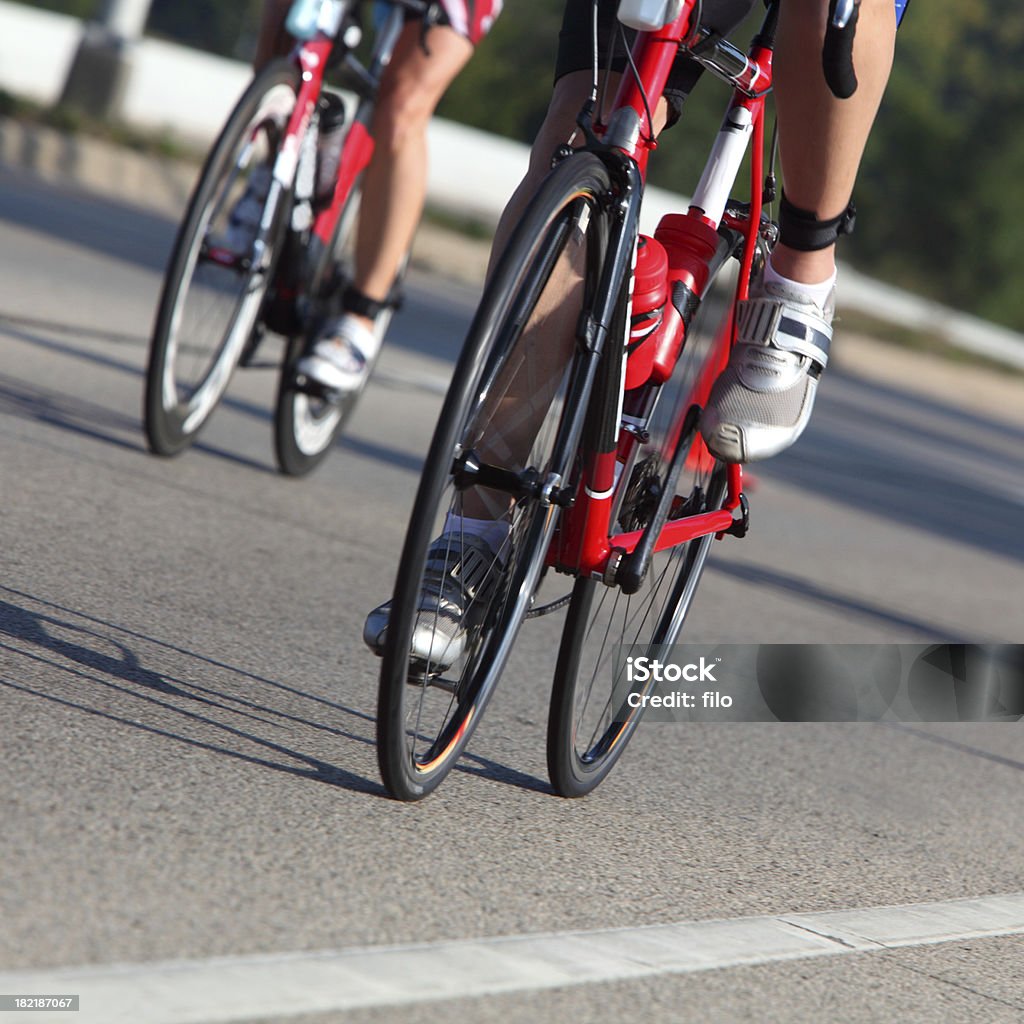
column 819, row 293
column 492, row 532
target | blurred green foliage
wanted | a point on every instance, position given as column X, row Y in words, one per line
column 940, row 180
column 227, row 27
column 943, row 172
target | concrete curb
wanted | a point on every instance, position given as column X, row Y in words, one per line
column 157, row 184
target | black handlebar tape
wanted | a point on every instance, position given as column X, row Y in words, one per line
column 837, row 55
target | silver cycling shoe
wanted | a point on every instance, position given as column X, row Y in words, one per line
column 244, row 218
column 762, row 401
column 458, row 582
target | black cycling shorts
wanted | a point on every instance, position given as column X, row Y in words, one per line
column 576, row 42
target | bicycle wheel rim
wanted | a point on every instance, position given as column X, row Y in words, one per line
column 590, row 721
column 499, row 369
column 213, row 292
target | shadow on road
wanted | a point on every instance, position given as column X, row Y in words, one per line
column 75, row 413
column 952, row 744
column 914, row 460
column 818, row 594
column 105, row 226
column 66, row 647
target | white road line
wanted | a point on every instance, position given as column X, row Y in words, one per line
column 290, row 984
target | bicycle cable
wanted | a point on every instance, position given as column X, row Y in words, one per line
column 603, row 102
column 770, row 181
column 650, row 140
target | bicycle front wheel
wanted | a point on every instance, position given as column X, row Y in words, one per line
column 507, row 411
column 590, row 721
column 220, row 267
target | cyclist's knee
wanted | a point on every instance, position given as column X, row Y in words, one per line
column 559, row 123
column 414, row 84
column 401, row 114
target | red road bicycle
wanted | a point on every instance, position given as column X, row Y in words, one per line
column 219, row 300
column 589, row 446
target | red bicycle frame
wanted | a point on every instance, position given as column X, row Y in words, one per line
column 585, row 543
column 357, row 150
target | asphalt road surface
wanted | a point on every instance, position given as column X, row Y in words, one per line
column 188, row 770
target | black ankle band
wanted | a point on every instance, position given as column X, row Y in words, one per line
column 355, row 301
column 801, row 229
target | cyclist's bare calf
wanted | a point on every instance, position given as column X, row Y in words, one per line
column 555, row 318
column 822, row 138
column 396, row 180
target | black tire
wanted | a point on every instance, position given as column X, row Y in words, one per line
column 211, row 299
column 426, row 715
column 590, row 721
column 306, row 424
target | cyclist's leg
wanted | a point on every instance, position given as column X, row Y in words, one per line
column 479, row 513
column 483, row 513
column 556, row 315
column 556, row 321
column 396, row 180
column 762, row 402
column 822, row 138
column 573, row 84
column 394, row 189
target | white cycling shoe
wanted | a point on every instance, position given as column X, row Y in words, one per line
column 341, row 357
column 762, row 401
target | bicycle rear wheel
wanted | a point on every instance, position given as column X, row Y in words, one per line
column 307, row 422
column 216, row 280
column 507, row 409
column 590, row 721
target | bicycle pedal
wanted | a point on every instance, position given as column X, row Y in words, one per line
column 437, row 681
column 315, row 389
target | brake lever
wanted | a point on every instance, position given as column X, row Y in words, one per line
column 837, row 53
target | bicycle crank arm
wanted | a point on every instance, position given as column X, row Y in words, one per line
column 317, row 390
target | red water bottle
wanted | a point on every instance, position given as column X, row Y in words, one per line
column 690, row 246
column 650, row 292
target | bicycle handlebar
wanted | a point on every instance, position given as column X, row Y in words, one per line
column 837, row 53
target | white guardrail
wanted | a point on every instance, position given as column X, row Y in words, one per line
column 189, row 94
